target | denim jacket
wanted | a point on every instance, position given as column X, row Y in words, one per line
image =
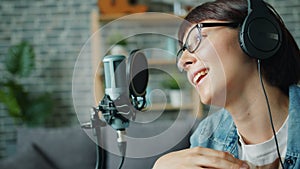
column 218, row 132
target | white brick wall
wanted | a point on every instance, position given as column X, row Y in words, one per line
column 58, row 29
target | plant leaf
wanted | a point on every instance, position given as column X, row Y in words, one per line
column 20, row 59
column 9, row 100
column 11, row 60
column 39, row 110
column 27, row 59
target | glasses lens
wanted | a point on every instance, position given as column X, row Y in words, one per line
column 193, row 39
column 178, row 56
column 191, row 44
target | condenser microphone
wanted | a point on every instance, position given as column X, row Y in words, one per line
column 115, row 104
column 125, row 91
column 125, row 88
column 115, row 76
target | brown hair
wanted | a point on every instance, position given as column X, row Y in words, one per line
column 281, row 70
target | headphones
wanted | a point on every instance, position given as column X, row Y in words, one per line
column 260, row 35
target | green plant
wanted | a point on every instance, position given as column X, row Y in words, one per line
column 21, row 105
column 116, row 38
column 170, row 83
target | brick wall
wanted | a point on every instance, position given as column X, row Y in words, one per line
column 289, row 10
column 58, row 29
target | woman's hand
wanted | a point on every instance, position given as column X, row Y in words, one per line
column 199, row 157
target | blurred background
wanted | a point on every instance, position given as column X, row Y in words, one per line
column 40, row 41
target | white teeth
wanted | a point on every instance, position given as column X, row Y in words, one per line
column 198, row 75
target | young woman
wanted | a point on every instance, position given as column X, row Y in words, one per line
column 251, row 92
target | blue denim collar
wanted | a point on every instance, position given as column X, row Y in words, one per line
column 294, row 120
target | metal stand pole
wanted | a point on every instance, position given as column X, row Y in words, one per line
column 96, row 124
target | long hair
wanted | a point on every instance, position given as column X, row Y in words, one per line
column 282, row 69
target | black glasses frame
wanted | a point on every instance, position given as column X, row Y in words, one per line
column 199, row 26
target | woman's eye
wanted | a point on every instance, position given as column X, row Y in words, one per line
column 197, row 39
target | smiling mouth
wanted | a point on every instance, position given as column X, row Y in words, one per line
column 200, row 75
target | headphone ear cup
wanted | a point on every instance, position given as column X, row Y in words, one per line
column 260, row 35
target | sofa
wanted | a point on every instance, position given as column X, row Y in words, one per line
column 73, row 148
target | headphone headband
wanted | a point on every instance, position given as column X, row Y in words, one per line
column 254, row 4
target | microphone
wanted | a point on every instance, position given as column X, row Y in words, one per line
column 115, row 104
column 115, row 76
column 125, row 88
column 125, row 93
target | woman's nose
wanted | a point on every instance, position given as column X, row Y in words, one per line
column 186, row 61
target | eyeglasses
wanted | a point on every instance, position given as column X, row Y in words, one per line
column 194, row 38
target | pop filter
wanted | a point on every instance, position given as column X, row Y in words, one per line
column 137, row 73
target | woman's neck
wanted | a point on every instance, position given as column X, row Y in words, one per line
column 250, row 112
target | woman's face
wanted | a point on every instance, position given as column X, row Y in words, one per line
column 218, row 69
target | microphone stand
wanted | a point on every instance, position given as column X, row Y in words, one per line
column 100, row 163
column 113, row 118
column 96, row 123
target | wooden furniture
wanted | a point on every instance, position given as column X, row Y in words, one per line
column 119, row 7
